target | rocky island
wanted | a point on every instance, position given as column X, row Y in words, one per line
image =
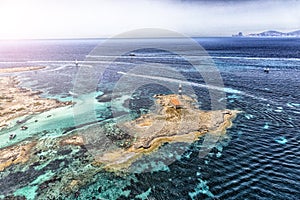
column 270, row 33
column 176, row 119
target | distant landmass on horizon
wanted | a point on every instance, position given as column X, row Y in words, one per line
column 271, row 33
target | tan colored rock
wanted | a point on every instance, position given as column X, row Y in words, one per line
column 20, row 69
column 72, row 185
column 16, row 102
column 73, row 140
column 177, row 119
column 15, row 155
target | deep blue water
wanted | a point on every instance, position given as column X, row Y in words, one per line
column 260, row 158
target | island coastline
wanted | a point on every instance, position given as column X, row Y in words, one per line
column 181, row 123
column 16, row 101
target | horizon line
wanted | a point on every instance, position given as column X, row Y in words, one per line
column 105, row 38
column 139, row 37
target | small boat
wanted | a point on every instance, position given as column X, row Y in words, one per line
column 73, row 94
column 76, row 63
column 24, row 128
column 266, row 70
column 12, row 136
column 21, row 121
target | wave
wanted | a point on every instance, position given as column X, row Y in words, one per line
column 256, row 58
column 68, row 62
column 147, row 56
column 222, row 89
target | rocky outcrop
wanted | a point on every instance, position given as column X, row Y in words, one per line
column 73, row 140
column 176, row 119
column 16, row 102
column 15, row 155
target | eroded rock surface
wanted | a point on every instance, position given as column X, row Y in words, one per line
column 176, row 119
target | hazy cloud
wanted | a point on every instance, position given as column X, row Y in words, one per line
column 94, row 18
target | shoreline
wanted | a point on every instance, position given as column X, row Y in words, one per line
column 20, row 69
column 16, row 101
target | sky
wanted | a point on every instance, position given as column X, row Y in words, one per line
column 47, row 19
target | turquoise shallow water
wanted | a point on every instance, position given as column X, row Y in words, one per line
column 257, row 159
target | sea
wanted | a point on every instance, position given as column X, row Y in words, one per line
column 257, row 158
